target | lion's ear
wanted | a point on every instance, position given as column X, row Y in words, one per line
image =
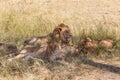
column 59, row 29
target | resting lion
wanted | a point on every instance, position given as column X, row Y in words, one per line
column 87, row 45
column 36, row 41
column 33, row 47
column 60, row 43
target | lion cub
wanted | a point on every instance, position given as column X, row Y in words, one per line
column 87, row 45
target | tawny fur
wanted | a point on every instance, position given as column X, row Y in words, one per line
column 89, row 45
column 48, row 45
column 36, row 41
column 60, row 43
column 33, row 47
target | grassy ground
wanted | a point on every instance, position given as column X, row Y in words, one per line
column 99, row 19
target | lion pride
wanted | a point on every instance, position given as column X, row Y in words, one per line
column 53, row 46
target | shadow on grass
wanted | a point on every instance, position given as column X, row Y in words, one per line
column 107, row 67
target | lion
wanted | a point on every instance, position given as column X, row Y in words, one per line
column 107, row 43
column 9, row 50
column 33, row 47
column 60, row 43
column 62, row 33
column 36, row 41
column 60, row 54
column 87, row 45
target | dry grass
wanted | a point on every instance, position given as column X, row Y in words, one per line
column 19, row 19
column 24, row 18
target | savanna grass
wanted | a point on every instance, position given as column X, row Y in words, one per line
column 20, row 19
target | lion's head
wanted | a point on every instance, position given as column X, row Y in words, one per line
column 86, row 45
column 62, row 32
